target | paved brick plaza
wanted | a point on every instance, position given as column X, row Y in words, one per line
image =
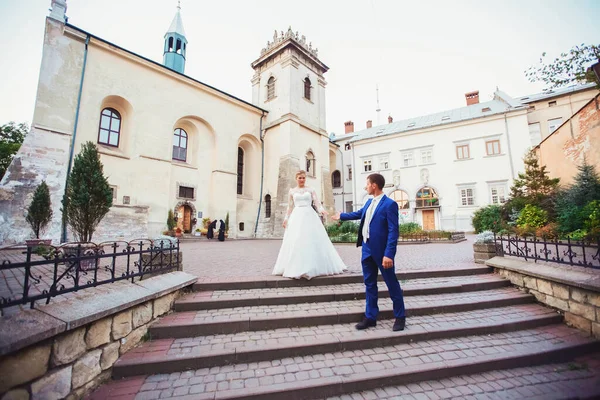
column 214, row 260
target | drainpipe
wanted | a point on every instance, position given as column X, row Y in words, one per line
column 262, row 171
column 510, row 158
column 343, row 182
column 72, row 149
column 353, row 184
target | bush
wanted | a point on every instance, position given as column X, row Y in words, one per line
column 487, row 219
column 591, row 218
column 39, row 212
column 549, row 231
column 409, row 228
column 348, row 227
column 484, row 237
column 532, row 217
column 333, row 229
column 170, row 221
column 579, row 234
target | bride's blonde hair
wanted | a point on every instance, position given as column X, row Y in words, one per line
column 301, row 172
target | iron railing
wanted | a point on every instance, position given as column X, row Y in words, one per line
column 32, row 273
column 582, row 253
column 420, row 237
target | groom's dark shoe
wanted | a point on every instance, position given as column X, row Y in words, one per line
column 365, row 323
column 399, row 324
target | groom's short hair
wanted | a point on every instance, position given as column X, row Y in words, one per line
column 377, row 179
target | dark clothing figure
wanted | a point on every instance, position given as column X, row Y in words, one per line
column 221, row 231
column 211, row 227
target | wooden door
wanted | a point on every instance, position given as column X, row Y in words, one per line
column 429, row 220
column 187, row 219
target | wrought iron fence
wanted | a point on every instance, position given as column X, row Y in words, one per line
column 32, row 273
column 583, row 253
column 419, row 237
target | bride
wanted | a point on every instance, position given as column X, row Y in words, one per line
column 306, row 250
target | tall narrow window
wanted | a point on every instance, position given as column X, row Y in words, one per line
column 170, row 44
column 268, row 206
column 311, row 169
column 271, row 88
column 349, row 172
column 180, row 145
column 307, row 88
column 467, row 197
column 336, row 179
column 240, row 171
column 462, row 152
column 367, row 165
column 178, row 48
column 109, row 131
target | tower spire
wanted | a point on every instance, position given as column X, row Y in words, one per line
column 175, row 43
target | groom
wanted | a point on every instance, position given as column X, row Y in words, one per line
column 378, row 236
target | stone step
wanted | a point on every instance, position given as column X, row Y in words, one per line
column 278, row 281
column 579, row 379
column 231, row 320
column 312, row 294
column 333, row 374
column 172, row 355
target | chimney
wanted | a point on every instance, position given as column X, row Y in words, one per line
column 390, row 119
column 369, row 124
column 349, row 125
column 472, row 97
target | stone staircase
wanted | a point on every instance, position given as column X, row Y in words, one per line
column 469, row 333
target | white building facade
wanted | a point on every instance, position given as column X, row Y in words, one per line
column 442, row 167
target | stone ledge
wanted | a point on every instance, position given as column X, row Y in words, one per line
column 579, row 277
column 27, row 328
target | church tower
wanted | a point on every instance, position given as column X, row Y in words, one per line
column 175, row 44
column 289, row 83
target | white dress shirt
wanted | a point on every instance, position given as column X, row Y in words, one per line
column 369, row 216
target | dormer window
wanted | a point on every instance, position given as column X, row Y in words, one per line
column 486, row 109
column 271, row 88
column 307, row 88
column 445, row 118
column 412, row 124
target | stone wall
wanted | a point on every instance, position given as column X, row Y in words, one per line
column 555, row 288
column 123, row 222
column 71, row 364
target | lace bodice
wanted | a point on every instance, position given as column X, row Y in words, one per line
column 302, row 197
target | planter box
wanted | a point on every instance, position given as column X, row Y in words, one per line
column 483, row 252
column 35, row 243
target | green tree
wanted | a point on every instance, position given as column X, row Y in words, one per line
column 533, row 186
column 488, row 219
column 11, row 138
column 585, row 188
column 171, row 220
column 39, row 212
column 88, row 196
column 227, row 222
column 569, row 68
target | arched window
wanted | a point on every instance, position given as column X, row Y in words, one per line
column 271, row 88
column 268, row 206
column 171, row 44
column 178, row 48
column 240, row 171
column 427, row 197
column 109, row 131
column 401, row 197
column 310, row 164
column 180, row 145
column 336, row 179
column 307, row 88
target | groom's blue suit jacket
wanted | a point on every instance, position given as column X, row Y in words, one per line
column 383, row 230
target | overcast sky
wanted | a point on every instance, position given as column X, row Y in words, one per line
column 424, row 55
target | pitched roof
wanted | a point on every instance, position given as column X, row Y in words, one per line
column 532, row 98
column 501, row 104
column 177, row 24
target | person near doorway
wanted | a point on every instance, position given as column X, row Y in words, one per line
column 221, row 230
column 211, row 227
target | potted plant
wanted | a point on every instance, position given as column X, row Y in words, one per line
column 88, row 198
column 178, row 232
column 484, row 247
column 39, row 215
column 197, row 232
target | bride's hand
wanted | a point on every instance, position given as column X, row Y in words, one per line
column 285, row 224
column 324, row 213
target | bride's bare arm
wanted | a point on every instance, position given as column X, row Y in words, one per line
column 290, row 207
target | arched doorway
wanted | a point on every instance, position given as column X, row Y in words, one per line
column 401, row 197
column 427, row 204
column 186, row 216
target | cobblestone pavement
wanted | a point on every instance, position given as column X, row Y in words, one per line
column 578, row 379
column 212, row 260
column 356, row 363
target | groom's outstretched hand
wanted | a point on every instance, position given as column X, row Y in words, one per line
column 336, row 216
column 387, row 262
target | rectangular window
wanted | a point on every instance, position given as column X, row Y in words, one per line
column 467, row 197
column 186, row 192
column 462, row 152
column 553, row 124
column 349, row 173
column 535, row 134
column 367, row 165
column 492, row 147
column 407, row 159
column 426, row 156
column 349, row 207
column 113, row 189
column 551, row 103
column 383, row 163
column 498, row 194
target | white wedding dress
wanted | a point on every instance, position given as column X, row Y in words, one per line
column 306, row 250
